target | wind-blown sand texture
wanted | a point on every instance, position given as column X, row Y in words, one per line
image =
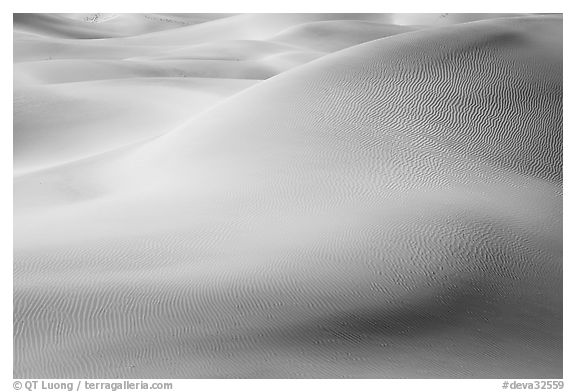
column 292, row 196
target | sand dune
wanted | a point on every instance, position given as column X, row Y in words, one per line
column 240, row 27
column 444, row 19
column 33, row 48
column 93, row 26
column 234, row 50
column 57, row 26
column 63, row 71
column 60, row 123
column 393, row 209
column 223, row 59
column 330, row 36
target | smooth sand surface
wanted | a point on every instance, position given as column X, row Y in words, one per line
column 93, row 26
column 392, row 209
column 330, row 36
column 59, row 123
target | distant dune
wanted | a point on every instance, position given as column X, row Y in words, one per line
column 290, row 196
column 91, row 26
column 330, row 36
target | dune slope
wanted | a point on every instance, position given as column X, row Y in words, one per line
column 55, row 124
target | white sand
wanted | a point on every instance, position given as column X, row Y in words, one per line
column 393, row 209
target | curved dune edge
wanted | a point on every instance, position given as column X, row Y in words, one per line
column 390, row 210
column 44, row 62
column 105, row 115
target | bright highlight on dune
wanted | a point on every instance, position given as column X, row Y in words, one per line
column 287, row 196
